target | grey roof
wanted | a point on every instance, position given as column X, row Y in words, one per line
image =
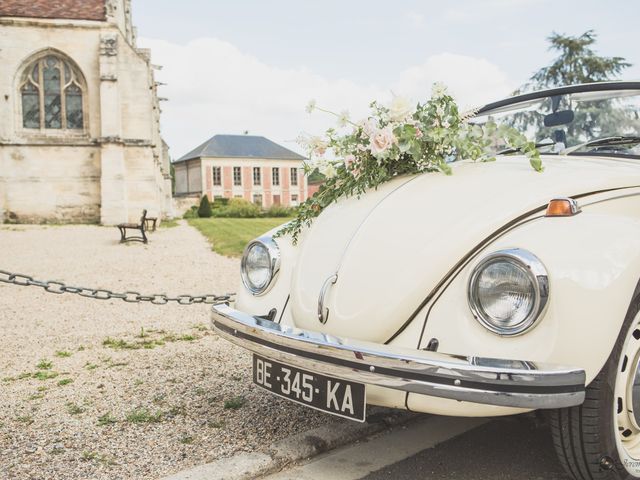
column 241, row 146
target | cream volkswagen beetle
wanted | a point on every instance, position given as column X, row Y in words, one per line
column 493, row 291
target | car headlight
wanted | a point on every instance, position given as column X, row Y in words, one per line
column 260, row 264
column 508, row 291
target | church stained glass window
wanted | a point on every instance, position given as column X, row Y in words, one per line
column 52, row 95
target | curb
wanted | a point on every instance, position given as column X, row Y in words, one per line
column 304, row 445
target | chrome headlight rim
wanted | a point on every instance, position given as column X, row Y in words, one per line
column 274, row 265
column 538, row 276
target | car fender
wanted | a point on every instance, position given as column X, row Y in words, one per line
column 593, row 264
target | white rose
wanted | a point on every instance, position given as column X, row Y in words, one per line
column 438, row 90
column 400, row 108
column 328, row 170
column 381, row 141
column 369, row 126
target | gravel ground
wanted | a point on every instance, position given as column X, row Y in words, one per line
column 109, row 390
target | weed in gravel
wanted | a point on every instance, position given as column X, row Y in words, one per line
column 215, row 424
column 159, row 397
column 74, row 408
column 81, row 348
column 63, row 354
column 26, row 419
column 90, row 366
column 200, row 391
column 119, row 344
column 24, row 375
column 143, row 415
column 36, row 396
column 201, row 327
column 88, row 456
column 187, row 440
column 187, row 337
column 65, row 381
column 45, row 375
column 176, row 410
column 138, row 382
column 235, row 403
column 44, row 365
column 106, row 419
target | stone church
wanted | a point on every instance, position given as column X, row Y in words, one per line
column 79, row 115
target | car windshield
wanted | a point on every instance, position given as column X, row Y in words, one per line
column 573, row 120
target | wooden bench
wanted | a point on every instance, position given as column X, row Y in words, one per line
column 150, row 223
column 142, row 226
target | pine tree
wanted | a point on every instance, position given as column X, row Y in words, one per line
column 577, row 62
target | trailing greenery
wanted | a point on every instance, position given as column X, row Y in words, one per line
column 204, row 211
column 399, row 139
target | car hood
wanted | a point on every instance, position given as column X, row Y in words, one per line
column 392, row 246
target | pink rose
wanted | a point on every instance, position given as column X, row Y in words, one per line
column 350, row 160
column 419, row 133
column 381, row 140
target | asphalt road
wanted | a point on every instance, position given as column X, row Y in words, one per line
column 438, row 448
column 517, row 447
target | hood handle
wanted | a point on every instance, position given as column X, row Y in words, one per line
column 323, row 313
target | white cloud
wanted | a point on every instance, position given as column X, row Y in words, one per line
column 472, row 81
column 213, row 87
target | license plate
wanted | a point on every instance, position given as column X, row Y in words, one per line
column 332, row 395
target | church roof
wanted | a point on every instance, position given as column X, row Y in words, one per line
column 241, row 146
column 71, row 9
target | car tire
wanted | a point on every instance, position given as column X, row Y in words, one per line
column 590, row 439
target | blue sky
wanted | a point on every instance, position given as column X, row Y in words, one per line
column 250, row 64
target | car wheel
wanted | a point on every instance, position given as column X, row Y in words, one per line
column 600, row 439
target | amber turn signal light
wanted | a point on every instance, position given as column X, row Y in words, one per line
column 562, row 207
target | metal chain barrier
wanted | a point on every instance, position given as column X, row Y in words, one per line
column 104, row 294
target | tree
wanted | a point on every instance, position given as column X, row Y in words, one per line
column 204, row 210
column 576, row 63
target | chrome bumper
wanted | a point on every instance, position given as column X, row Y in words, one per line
column 509, row 383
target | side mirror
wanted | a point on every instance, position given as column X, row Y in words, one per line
column 562, row 117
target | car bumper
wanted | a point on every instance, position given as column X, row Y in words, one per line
column 509, row 383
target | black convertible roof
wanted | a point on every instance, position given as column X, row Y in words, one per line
column 583, row 87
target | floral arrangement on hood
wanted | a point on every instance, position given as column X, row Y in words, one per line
column 396, row 139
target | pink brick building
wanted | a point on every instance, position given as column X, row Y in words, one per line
column 242, row 166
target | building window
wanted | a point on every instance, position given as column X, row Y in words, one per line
column 237, row 176
column 294, row 176
column 275, row 176
column 294, row 200
column 257, row 176
column 52, row 95
column 257, row 199
column 217, row 176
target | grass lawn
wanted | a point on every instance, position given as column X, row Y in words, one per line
column 229, row 236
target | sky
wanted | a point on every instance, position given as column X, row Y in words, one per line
column 253, row 65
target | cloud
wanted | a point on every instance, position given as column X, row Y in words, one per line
column 213, row 87
column 474, row 12
column 472, row 81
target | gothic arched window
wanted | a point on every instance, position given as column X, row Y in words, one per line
column 52, row 91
